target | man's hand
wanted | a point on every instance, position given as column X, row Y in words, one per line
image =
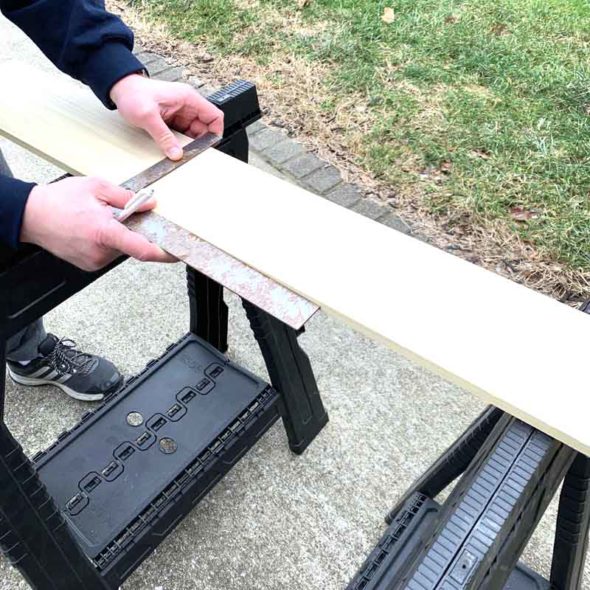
column 158, row 106
column 72, row 220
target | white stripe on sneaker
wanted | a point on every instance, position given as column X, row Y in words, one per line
column 87, row 397
column 40, row 372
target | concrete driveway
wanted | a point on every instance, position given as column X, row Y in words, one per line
column 277, row 521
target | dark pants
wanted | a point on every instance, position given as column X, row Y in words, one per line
column 24, row 345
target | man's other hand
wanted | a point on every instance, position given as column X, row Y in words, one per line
column 72, row 219
column 158, row 106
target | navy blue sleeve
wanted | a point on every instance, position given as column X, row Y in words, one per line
column 80, row 37
column 13, row 198
column 83, row 40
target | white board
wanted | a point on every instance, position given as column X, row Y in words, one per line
column 510, row 346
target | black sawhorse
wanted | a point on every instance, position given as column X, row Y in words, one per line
column 33, row 531
column 510, row 472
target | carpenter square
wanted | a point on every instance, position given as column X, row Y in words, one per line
column 248, row 283
column 165, row 166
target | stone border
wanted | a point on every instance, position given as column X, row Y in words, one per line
column 289, row 157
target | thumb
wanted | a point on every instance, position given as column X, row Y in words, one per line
column 163, row 136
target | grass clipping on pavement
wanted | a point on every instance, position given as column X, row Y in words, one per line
column 470, row 118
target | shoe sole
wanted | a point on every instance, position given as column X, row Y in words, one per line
column 32, row 382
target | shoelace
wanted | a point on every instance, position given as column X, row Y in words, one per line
column 65, row 354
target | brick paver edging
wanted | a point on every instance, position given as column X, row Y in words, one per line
column 290, row 157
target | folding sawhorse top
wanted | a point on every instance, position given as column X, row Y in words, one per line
column 474, row 540
column 179, row 426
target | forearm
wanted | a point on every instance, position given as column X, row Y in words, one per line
column 80, row 37
column 13, row 199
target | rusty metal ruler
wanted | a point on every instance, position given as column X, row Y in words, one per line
column 248, row 283
column 165, row 166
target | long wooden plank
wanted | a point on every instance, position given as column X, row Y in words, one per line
column 510, row 346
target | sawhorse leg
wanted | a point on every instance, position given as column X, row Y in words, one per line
column 33, row 533
column 2, row 379
column 288, row 366
column 208, row 311
column 291, row 375
column 454, row 461
column 571, row 531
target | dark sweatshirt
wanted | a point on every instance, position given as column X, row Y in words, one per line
column 83, row 40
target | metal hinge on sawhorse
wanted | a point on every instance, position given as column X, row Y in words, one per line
column 43, row 534
column 474, row 540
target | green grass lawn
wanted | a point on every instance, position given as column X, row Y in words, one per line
column 472, row 106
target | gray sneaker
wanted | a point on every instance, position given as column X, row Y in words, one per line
column 81, row 375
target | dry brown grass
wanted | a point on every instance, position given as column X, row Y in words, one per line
column 291, row 91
